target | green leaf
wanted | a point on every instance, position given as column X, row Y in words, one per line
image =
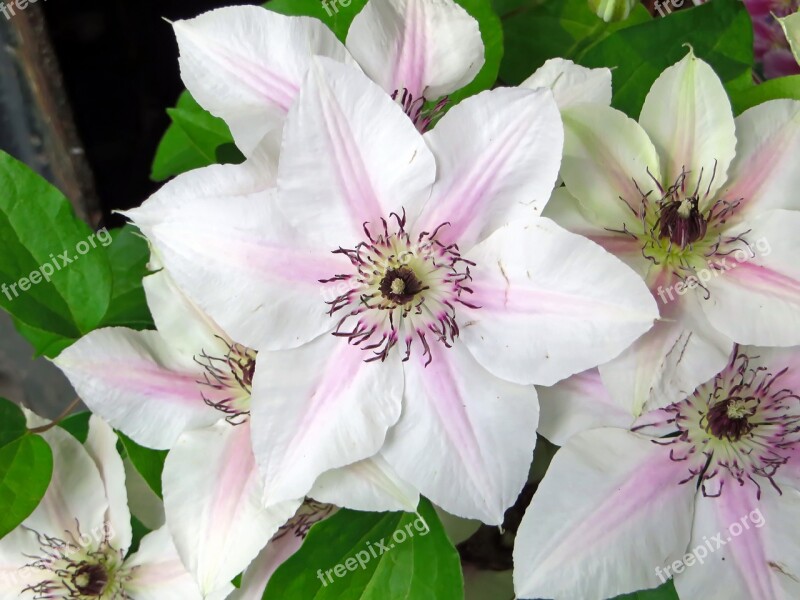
column 65, row 297
column 128, row 256
column 26, row 466
column 665, row 592
column 77, row 425
column 12, row 422
column 783, row 87
column 149, row 463
column 400, row 560
column 555, row 28
column 191, row 141
column 720, row 33
column 139, row 530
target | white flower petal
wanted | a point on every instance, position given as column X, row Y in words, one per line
column 429, row 47
column 133, row 380
column 157, row 572
column 791, row 27
column 608, row 511
column 366, row 157
column 101, row 444
column 688, row 116
column 222, row 238
column 765, row 285
column 368, row 485
column 762, row 561
column 144, row 504
column 576, row 404
column 212, row 497
column 609, row 162
column 323, row 407
column 181, row 323
column 498, row 155
column 257, row 575
column 465, row 438
column 245, row 65
column 572, row 84
column 544, row 317
column 764, row 174
column 667, row 363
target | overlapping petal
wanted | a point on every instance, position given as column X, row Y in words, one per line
column 322, row 407
column 485, row 148
column 609, row 511
column 428, row 47
column 246, row 64
column 338, row 169
column 572, row 84
column 213, row 500
column 551, row 304
column 465, row 438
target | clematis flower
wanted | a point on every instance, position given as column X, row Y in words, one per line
column 791, row 28
column 400, row 288
column 188, row 387
column 706, row 490
column 572, row 84
column 704, row 218
column 245, row 64
column 75, row 544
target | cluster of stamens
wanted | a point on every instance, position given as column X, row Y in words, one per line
column 230, row 379
column 682, row 230
column 403, row 289
column 424, row 119
column 737, row 427
column 77, row 571
column 309, row 514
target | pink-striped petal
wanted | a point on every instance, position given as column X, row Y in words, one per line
column 542, row 318
column 498, row 155
column 765, row 285
column 135, row 382
column 609, row 510
column 221, row 236
column 763, row 175
column 751, row 546
column 465, row 438
column 213, row 500
column 245, row 65
column 577, row 404
column 321, row 407
column 428, row 47
column 349, row 156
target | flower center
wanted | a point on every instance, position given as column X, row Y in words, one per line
column 85, row 568
column 681, row 222
column 229, row 381
column 738, row 426
column 423, row 118
column 402, row 289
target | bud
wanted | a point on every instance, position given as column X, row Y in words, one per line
column 612, row 10
column 791, row 27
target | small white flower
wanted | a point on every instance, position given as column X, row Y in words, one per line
column 75, row 544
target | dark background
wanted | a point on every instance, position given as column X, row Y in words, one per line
column 119, row 63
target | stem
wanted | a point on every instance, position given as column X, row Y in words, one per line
column 60, row 418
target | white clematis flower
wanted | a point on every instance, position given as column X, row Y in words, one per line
column 704, row 217
column 406, row 290
column 75, row 544
column 791, row 27
column 188, row 387
column 706, row 491
column 245, row 64
column 572, row 84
